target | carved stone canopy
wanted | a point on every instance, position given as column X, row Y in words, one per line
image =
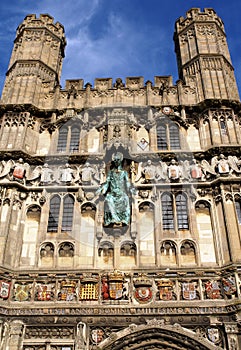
column 156, row 335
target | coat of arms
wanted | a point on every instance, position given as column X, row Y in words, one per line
column 165, row 287
column 212, row 289
column 189, row 290
column 143, row 289
column 4, row 289
column 44, row 292
column 97, row 335
column 229, row 285
column 67, row 291
column 89, row 288
column 115, row 285
column 213, row 335
column 22, row 292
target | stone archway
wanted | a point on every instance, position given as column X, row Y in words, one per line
column 155, row 335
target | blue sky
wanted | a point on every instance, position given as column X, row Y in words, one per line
column 117, row 38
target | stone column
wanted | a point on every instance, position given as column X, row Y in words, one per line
column 232, row 230
column 13, row 333
column 232, row 336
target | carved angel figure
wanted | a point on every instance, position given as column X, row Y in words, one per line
column 89, row 174
column 67, row 174
column 43, row 174
column 196, row 171
column 6, row 168
column 234, row 164
column 150, row 173
column 223, row 165
column 209, row 169
column 174, row 171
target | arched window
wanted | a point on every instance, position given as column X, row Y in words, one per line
column 47, row 250
column 188, row 253
column 182, row 212
column 168, row 136
column 161, row 137
column 223, row 127
column 68, row 139
column 106, row 254
column 66, row 249
column 53, row 221
column 68, row 211
column 174, row 137
column 167, row 212
column 174, row 211
column 128, row 254
column 62, row 140
column 74, row 140
column 168, row 253
column 238, row 208
column 61, row 214
column 205, row 232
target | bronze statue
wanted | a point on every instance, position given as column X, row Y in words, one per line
column 116, row 190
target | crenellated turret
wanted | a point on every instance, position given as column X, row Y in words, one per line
column 36, row 62
column 203, row 55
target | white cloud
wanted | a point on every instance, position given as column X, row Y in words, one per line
column 121, row 49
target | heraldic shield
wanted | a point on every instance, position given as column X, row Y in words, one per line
column 4, row 289
column 165, row 287
column 189, row 291
column 143, row 289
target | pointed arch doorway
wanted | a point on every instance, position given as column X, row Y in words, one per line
column 156, row 336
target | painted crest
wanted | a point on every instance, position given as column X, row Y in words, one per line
column 67, row 291
column 115, row 289
column 189, row 290
column 165, row 287
column 143, row 143
column 22, row 292
column 143, row 289
column 213, row 335
column 97, row 335
column 229, row 285
column 212, row 289
column 89, row 289
column 44, row 292
column 115, row 285
column 4, row 289
column 19, row 172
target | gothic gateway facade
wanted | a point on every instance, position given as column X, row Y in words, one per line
column 120, row 202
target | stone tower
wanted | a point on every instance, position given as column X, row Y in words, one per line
column 36, row 62
column 203, row 55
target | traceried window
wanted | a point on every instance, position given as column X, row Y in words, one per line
column 74, row 140
column 54, row 214
column 168, row 136
column 167, row 212
column 161, row 137
column 174, row 212
column 62, row 140
column 68, row 211
column 182, row 213
column 174, row 137
column 168, row 253
column 238, row 209
column 61, row 214
column 68, row 139
column 188, row 253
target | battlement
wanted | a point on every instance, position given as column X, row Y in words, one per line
column 44, row 20
column 197, row 15
column 133, row 83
